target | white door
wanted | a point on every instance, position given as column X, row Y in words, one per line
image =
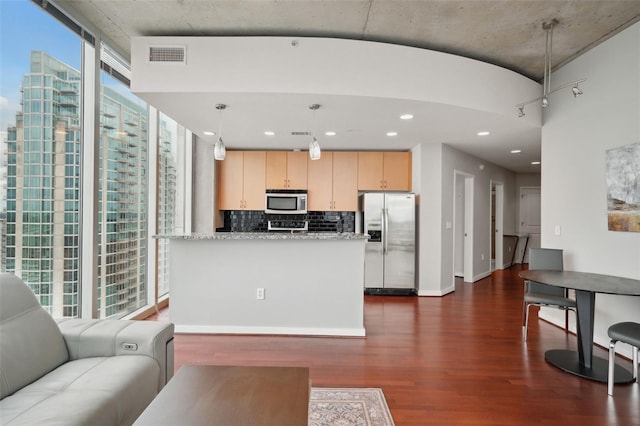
column 497, row 219
column 530, row 215
column 468, row 229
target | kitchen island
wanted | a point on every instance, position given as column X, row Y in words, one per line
column 267, row 283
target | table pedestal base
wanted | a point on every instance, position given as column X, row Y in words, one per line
column 599, row 371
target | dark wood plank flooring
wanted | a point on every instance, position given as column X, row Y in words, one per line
column 452, row 360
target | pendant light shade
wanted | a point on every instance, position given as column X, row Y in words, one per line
column 219, row 150
column 314, row 146
column 314, row 149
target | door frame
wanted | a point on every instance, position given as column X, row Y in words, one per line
column 467, row 225
column 499, row 223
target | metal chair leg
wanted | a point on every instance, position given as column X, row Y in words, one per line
column 635, row 364
column 526, row 323
column 612, row 361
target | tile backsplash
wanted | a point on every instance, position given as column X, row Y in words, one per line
column 256, row 221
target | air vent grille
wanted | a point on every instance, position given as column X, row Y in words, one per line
column 173, row 54
column 300, row 133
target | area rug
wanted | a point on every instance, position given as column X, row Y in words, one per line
column 348, row 407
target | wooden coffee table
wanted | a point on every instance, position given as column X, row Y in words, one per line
column 226, row 396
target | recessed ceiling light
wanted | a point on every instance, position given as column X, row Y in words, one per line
column 406, row 116
column 269, row 133
column 330, row 133
column 392, row 133
column 484, row 133
column 209, row 133
column 516, row 151
column 535, row 163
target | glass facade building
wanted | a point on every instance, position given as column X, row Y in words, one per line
column 43, row 192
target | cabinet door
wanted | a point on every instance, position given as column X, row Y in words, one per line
column 397, row 171
column 230, row 181
column 297, row 170
column 276, row 169
column 345, row 181
column 320, row 183
column 370, row 171
column 254, row 179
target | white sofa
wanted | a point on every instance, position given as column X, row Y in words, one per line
column 76, row 372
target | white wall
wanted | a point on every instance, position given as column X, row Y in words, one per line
column 575, row 135
column 452, row 161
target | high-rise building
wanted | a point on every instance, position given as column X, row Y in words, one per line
column 43, row 192
column 166, row 201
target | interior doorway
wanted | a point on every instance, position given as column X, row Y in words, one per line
column 463, row 226
column 530, row 220
column 497, row 222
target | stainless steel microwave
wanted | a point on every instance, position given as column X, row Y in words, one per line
column 286, row 202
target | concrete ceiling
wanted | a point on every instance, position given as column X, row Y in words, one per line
column 507, row 33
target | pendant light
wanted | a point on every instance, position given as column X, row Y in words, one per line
column 219, row 151
column 314, row 146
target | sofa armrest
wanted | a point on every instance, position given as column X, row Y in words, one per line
column 96, row 338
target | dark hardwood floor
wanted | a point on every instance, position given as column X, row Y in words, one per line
column 452, row 360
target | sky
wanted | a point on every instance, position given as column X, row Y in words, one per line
column 25, row 27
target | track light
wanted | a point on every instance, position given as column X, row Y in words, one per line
column 546, row 82
column 219, row 150
column 576, row 91
column 314, row 146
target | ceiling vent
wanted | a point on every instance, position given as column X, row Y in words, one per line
column 300, row 133
column 168, row 54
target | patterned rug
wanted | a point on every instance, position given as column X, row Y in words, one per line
column 348, row 407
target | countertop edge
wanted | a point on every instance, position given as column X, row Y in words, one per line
column 266, row 236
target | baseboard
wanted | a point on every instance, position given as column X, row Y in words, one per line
column 440, row 293
column 289, row 331
column 481, row 276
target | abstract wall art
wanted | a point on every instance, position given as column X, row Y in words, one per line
column 623, row 188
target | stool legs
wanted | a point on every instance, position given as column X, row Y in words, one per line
column 612, row 362
column 635, row 364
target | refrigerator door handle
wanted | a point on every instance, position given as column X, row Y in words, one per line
column 385, row 231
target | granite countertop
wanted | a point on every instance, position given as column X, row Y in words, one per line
column 268, row 236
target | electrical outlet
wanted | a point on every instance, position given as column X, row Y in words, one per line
column 260, row 293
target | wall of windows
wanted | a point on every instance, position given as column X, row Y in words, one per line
column 44, row 192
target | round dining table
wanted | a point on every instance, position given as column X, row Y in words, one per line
column 586, row 285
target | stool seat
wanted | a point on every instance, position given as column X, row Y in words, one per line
column 625, row 332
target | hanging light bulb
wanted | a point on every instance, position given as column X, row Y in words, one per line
column 314, row 146
column 219, row 150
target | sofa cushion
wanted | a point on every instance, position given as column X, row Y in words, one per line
column 25, row 329
column 88, row 391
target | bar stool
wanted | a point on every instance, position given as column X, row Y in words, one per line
column 625, row 332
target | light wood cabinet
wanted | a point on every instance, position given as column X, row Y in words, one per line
column 242, row 180
column 286, row 170
column 333, row 182
column 388, row 171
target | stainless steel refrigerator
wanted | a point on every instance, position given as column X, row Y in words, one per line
column 389, row 218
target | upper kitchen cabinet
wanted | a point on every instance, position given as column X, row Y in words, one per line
column 386, row 171
column 242, row 180
column 286, row 170
column 333, row 182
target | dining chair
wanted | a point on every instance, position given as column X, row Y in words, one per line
column 625, row 332
column 538, row 294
